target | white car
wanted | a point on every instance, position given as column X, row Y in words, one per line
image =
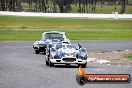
column 48, row 37
column 66, row 53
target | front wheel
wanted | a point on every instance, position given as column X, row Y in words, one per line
column 51, row 64
column 44, row 52
column 37, row 51
column 47, row 63
column 82, row 65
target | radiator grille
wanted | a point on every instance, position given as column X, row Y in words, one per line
column 69, row 59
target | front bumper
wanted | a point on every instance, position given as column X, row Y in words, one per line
column 62, row 61
column 40, row 48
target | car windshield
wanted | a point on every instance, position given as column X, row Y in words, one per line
column 71, row 46
column 54, row 36
column 60, row 46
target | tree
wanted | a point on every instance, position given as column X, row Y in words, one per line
column 123, row 6
column 93, row 2
column 2, row 5
column 18, row 5
column 84, row 6
column 30, row 4
column 64, row 5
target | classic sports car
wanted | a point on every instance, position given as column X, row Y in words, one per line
column 48, row 37
column 66, row 53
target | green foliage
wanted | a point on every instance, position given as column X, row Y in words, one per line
column 75, row 6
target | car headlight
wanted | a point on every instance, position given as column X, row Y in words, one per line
column 56, row 57
column 36, row 45
column 82, row 57
column 62, row 54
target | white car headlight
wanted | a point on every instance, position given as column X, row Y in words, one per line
column 35, row 43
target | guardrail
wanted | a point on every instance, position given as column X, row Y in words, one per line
column 69, row 15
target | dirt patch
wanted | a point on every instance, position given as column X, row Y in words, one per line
column 115, row 57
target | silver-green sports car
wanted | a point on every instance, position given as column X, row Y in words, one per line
column 48, row 37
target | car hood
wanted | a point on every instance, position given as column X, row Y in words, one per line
column 39, row 42
column 67, row 50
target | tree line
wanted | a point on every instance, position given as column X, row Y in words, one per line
column 62, row 6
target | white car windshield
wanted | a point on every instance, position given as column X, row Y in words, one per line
column 60, row 46
column 54, row 36
column 65, row 46
column 71, row 46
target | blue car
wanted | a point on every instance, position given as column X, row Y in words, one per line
column 66, row 53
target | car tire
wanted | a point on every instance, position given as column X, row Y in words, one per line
column 51, row 64
column 44, row 52
column 47, row 63
column 37, row 52
column 82, row 65
column 79, row 65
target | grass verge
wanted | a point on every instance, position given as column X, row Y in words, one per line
column 26, row 28
column 129, row 56
column 6, row 35
column 12, row 22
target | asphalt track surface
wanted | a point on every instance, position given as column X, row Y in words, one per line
column 20, row 67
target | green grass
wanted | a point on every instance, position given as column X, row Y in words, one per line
column 19, row 35
column 26, row 28
column 12, row 22
column 129, row 56
column 6, row 35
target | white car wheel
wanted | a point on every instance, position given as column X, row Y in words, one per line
column 50, row 63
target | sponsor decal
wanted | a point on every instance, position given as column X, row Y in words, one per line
column 83, row 78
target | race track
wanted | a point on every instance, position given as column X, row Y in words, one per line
column 20, row 67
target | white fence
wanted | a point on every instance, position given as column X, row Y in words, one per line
column 69, row 15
